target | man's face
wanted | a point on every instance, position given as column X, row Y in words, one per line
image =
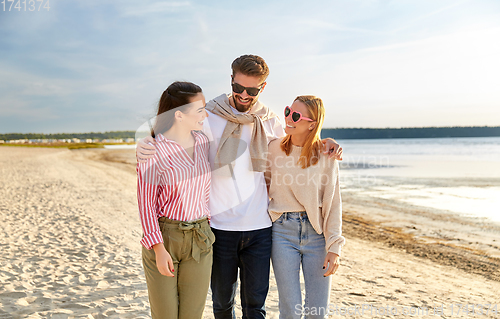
column 243, row 101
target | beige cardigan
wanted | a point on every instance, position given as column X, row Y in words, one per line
column 314, row 190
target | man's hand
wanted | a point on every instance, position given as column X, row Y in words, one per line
column 332, row 147
column 163, row 260
column 332, row 261
column 145, row 150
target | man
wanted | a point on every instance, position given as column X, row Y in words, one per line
column 240, row 127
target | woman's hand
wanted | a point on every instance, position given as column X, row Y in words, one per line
column 144, row 150
column 332, row 147
column 332, row 261
column 163, row 260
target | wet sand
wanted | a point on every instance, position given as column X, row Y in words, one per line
column 70, row 246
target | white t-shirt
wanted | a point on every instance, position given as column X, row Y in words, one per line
column 238, row 195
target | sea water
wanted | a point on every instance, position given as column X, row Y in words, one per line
column 457, row 175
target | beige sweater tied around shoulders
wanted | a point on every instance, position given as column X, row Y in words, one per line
column 315, row 190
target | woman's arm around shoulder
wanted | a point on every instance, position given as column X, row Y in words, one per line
column 146, row 148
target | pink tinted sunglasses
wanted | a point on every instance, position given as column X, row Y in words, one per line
column 296, row 116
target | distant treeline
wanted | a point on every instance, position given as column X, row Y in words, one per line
column 411, row 132
column 57, row 136
column 338, row 133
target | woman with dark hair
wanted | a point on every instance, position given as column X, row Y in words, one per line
column 306, row 211
column 173, row 189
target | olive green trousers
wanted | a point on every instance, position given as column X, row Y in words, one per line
column 190, row 246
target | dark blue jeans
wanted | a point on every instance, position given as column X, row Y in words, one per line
column 250, row 251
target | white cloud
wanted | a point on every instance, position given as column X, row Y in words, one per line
column 334, row 27
column 141, row 9
column 412, row 22
column 447, row 80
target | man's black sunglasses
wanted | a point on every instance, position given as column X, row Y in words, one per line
column 237, row 88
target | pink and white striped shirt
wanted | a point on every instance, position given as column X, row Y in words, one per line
column 172, row 185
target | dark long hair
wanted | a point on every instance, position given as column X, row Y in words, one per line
column 177, row 95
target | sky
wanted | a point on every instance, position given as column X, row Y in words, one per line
column 81, row 66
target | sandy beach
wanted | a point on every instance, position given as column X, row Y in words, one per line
column 70, row 246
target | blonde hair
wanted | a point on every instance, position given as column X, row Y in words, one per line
column 312, row 147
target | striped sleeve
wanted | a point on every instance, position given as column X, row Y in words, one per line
column 206, row 149
column 148, row 189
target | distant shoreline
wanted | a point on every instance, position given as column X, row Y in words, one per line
column 74, row 146
column 337, row 133
column 411, row 132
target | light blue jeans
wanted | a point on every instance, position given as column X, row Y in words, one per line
column 296, row 243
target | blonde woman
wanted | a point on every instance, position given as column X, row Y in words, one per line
column 305, row 207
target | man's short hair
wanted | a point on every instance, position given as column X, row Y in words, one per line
column 251, row 65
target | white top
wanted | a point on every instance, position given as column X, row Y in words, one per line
column 238, row 199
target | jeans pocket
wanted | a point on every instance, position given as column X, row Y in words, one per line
column 280, row 220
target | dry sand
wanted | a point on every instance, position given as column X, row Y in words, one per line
column 70, row 246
